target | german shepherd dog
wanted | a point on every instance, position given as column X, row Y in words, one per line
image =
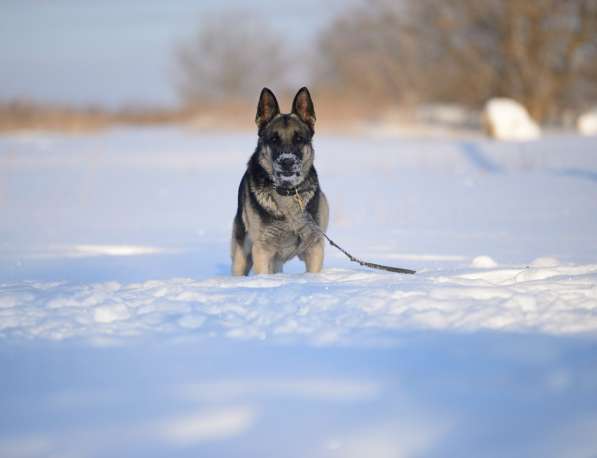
column 279, row 197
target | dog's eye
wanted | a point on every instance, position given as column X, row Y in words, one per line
column 298, row 139
column 275, row 139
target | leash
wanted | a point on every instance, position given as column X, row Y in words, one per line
column 316, row 228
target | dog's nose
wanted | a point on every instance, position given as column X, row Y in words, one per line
column 287, row 163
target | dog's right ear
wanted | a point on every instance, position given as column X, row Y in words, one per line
column 267, row 108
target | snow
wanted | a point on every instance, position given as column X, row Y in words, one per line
column 587, row 123
column 507, row 119
column 206, row 425
column 110, row 313
column 124, row 335
column 337, row 306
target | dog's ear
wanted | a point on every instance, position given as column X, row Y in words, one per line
column 302, row 106
column 267, row 108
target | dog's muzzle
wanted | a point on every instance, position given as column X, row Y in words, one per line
column 287, row 170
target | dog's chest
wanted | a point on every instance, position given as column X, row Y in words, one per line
column 290, row 206
column 282, row 235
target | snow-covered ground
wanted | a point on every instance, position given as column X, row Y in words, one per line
column 123, row 334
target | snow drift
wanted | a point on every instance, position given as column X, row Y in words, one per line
column 337, row 306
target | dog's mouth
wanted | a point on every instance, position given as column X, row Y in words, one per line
column 287, row 179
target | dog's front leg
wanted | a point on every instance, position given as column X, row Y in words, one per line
column 241, row 259
column 313, row 257
column 263, row 259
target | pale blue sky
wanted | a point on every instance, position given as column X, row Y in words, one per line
column 119, row 52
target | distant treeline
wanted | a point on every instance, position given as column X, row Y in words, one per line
column 542, row 53
column 376, row 56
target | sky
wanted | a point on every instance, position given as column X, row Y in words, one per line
column 117, row 53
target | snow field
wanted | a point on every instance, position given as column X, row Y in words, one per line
column 124, row 335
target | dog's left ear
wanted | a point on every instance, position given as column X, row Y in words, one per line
column 302, row 106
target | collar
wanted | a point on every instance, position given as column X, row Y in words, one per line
column 292, row 191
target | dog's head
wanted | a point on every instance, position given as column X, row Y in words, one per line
column 285, row 150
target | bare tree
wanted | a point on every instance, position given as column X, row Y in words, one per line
column 363, row 53
column 232, row 56
column 542, row 53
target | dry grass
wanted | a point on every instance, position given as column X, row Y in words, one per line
column 333, row 113
column 336, row 113
column 17, row 116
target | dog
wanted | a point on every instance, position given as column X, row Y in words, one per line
column 279, row 197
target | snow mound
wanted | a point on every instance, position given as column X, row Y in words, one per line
column 337, row 306
column 587, row 122
column 506, row 119
column 483, row 262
